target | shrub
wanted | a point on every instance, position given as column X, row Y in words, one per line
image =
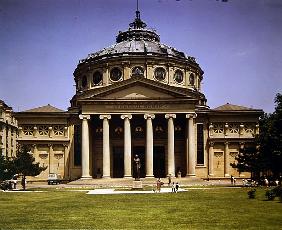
column 252, row 194
column 270, row 195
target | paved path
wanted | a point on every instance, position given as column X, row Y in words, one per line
column 113, row 191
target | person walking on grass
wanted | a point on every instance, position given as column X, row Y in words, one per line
column 176, row 187
column 173, row 187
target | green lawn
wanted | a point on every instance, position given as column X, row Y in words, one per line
column 219, row 208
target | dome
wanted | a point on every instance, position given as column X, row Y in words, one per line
column 138, row 51
column 137, row 40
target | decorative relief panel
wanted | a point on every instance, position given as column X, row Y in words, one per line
column 28, row 130
column 43, row 130
column 233, row 128
column 218, row 128
column 249, row 128
column 58, row 130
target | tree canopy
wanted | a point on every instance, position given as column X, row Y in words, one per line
column 23, row 164
column 266, row 155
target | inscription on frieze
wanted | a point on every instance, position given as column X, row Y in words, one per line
column 139, row 106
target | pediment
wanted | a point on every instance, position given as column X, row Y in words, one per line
column 137, row 92
column 139, row 88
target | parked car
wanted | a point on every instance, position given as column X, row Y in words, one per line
column 249, row 183
column 54, row 178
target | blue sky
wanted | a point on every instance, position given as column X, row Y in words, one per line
column 238, row 44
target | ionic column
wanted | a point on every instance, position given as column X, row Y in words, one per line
column 191, row 153
column 149, row 145
column 226, row 159
column 170, row 144
column 85, row 147
column 106, row 146
column 211, row 144
column 127, row 145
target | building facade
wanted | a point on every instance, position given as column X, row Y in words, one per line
column 8, row 130
column 138, row 97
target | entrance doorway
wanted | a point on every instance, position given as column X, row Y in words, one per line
column 159, row 162
column 140, row 151
column 118, row 163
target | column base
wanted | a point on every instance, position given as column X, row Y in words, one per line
column 211, row 174
column 106, row 177
column 191, row 175
column 86, row 178
column 226, row 175
column 127, row 176
column 150, row 176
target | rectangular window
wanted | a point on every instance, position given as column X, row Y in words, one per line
column 200, row 144
column 77, row 145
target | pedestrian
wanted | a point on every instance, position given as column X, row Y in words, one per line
column 159, row 185
column 169, row 179
column 231, row 179
column 266, row 182
column 173, row 187
column 176, row 187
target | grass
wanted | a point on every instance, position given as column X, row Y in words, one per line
column 196, row 209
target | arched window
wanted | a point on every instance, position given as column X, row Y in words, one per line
column 97, row 77
column 178, row 76
column 84, row 81
column 160, row 74
column 192, row 79
column 115, row 74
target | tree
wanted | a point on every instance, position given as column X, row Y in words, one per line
column 266, row 154
column 25, row 165
column 7, row 170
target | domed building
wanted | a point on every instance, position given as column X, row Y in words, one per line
column 139, row 97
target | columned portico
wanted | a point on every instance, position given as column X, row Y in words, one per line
column 226, row 159
column 149, row 144
column 85, row 147
column 170, row 138
column 106, row 146
column 127, row 145
column 191, row 153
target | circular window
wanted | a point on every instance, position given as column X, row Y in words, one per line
column 178, row 76
column 192, row 79
column 116, row 74
column 160, row 74
column 97, row 77
column 137, row 70
column 84, row 81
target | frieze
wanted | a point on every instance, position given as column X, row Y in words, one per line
column 138, row 106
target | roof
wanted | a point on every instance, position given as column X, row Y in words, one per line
column 230, row 107
column 44, row 109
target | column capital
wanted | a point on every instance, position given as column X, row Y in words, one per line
column 191, row 115
column 35, row 128
column 50, row 145
column 105, row 116
column 226, row 143
column 34, row 145
column 83, row 116
column 65, row 145
column 123, row 116
column 170, row 115
column 149, row 116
